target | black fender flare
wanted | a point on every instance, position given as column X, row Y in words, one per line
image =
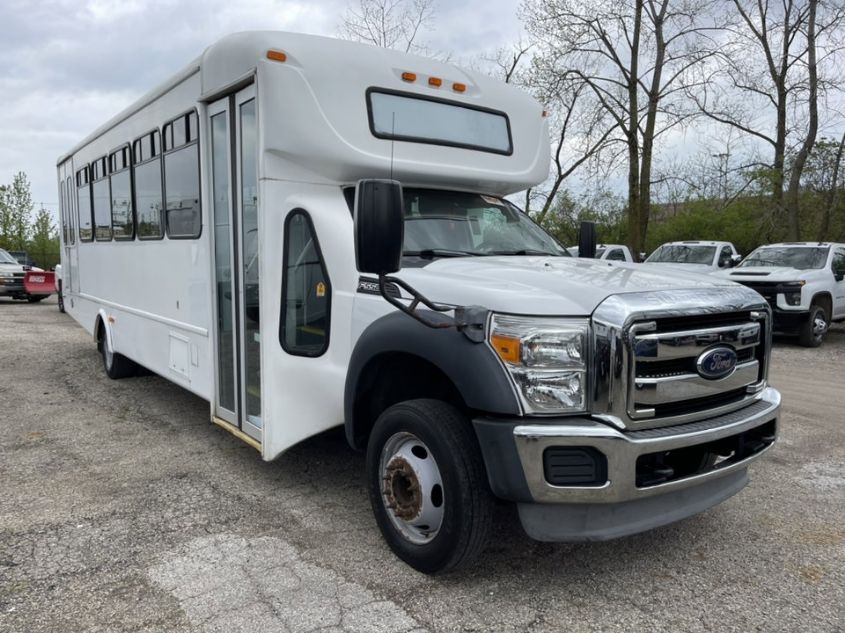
column 472, row 367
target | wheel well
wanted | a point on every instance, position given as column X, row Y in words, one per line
column 824, row 300
column 391, row 378
column 99, row 331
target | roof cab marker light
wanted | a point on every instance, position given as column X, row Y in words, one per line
column 435, row 81
column 459, row 87
column 406, row 76
column 276, row 56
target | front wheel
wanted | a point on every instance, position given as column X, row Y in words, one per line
column 428, row 486
column 812, row 334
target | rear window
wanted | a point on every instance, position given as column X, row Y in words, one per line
column 406, row 117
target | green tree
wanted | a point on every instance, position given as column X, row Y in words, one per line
column 44, row 246
column 15, row 212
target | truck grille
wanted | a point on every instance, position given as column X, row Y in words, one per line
column 648, row 370
column 666, row 381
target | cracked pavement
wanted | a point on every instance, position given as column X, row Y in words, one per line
column 123, row 509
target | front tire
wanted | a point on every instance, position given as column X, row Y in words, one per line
column 428, row 486
column 116, row 365
column 812, row 334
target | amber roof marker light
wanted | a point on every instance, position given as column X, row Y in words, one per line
column 459, row 87
column 276, row 56
column 435, row 81
column 406, row 76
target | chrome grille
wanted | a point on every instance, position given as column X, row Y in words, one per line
column 646, row 347
column 678, row 351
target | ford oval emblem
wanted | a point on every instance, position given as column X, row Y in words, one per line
column 716, row 363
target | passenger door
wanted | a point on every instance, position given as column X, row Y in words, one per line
column 237, row 276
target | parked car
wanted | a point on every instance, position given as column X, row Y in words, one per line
column 696, row 256
column 804, row 282
column 12, row 277
column 611, row 252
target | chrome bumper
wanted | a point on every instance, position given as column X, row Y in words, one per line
column 623, row 448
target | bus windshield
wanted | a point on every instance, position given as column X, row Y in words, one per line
column 682, row 254
column 458, row 224
column 800, row 257
column 5, row 258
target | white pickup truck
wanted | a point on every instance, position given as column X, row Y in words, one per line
column 697, row 256
column 804, row 283
column 12, row 276
column 609, row 252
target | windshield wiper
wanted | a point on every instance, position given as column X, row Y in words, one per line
column 525, row 251
column 431, row 253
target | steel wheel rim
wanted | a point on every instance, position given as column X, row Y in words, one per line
column 819, row 326
column 411, row 488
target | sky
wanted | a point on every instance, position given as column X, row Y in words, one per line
column 67, row 66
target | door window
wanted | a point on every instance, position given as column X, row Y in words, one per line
column 306, row 290
column 725, row 257
column 616, row 255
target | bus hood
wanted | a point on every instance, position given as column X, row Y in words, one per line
column 543, row 285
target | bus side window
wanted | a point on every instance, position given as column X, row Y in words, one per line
column 181, row 181
column 83, row 205
column 123, row 226
column 146, row 169
column 71, row 202
column 306, row 290
column 102, row 201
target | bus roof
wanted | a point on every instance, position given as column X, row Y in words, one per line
column 321, row 87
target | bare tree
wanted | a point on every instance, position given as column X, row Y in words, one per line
column 632, row 56
column 768, row 85
column 388, row 23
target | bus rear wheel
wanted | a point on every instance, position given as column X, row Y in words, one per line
column 428, row 486
column 116, row 365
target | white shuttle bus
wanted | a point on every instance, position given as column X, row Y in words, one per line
column 311, row 233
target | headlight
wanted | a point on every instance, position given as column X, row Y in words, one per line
column 792, row 293
column 546, row 358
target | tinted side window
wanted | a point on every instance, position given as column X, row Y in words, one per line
column 182, row 178
column 83, row 205
column 839, row 262
column 725, row 257
column 616, row 255
column 102, row 201
column 182, row 192
column 306, row 290
column 122, row 220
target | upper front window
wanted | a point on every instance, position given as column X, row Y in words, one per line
column 410, row 117
column 454, row 224
column 682, row 254
column 799, row 257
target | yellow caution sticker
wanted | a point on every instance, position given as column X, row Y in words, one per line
column 321, row 289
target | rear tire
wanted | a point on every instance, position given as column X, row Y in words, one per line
column 813, row 331
column 423, row 459
column 116, row 365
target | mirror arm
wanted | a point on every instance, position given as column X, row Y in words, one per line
column 417, row 298
column 470, row 320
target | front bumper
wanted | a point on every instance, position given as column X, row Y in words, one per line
column 789, row 322
column 514, row 456
column 12, row 289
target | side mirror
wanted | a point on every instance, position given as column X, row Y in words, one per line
column 587, row 240
column 379, row 226
column 839, row 274
column 735, row 259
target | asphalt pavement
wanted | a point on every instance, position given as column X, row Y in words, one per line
column 123, row 509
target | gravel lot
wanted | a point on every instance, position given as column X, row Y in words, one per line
column 122, row 508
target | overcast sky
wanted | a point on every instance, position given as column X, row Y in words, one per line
column 66, row 66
